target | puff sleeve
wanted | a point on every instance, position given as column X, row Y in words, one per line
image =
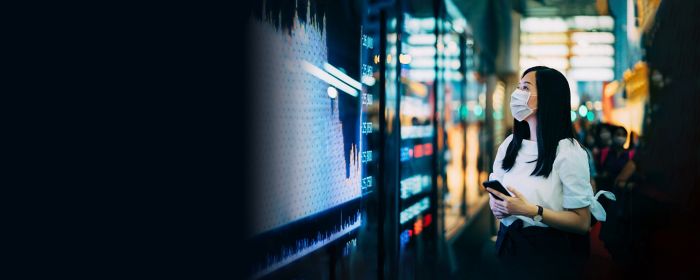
column 572, row 167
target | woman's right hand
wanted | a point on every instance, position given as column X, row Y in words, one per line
column 492, row 203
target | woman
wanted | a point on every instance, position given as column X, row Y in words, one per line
column 615, row 157
column 604, row 141
column 615, row 232
column 545, row 220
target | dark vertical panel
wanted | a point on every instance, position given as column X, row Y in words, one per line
column 390, row 133
column 382, row 144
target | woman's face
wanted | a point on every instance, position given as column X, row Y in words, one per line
column 620, row 133
column 620, row 137
column 529, row 84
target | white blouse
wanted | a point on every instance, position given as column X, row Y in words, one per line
column 567, row 187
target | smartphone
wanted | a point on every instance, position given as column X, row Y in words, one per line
column 496, row 185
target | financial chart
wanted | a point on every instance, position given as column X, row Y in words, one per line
column 308, row 142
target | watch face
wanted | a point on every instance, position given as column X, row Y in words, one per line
column 538, row 218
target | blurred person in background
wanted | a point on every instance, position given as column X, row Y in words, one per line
column 603, row 138
column 583, row 128
column 589, row 145
column 592, row 142
column 614, row 157
column 579, row 129
column 615, row 231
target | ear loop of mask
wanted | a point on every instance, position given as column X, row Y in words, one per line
column 528, row 101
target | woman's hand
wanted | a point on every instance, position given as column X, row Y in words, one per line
column 515, row 205
column 625, row 174
column 496, row 212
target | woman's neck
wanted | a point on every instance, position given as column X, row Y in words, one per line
column 532, row 123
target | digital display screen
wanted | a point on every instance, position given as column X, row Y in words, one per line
column 310, row 159
column 417, row 128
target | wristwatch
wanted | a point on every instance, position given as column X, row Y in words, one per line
column 538, row 217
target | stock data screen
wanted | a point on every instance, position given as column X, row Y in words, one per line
column 312, row 167
column 417, row 130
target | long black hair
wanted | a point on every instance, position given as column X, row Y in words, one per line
column 553, row 121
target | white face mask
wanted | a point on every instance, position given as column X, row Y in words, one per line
column 518, row 104
column 620, row 140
